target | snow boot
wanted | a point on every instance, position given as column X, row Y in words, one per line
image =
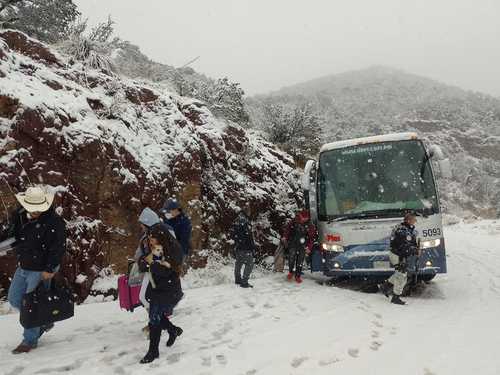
column 397, row 300
column 245, row 284
column 289, row 276
column 298, row 279
column 154, row 341
column 173, row 331
column 386, row 288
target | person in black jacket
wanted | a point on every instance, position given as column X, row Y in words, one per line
column 403, row 245
column 181, row 223
column 164, row 265
column 40, row 244
column 244, row 247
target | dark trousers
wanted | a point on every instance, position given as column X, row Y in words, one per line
column 296, row 257
column 243, row 260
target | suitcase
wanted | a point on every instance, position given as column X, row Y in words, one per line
column 128, row 294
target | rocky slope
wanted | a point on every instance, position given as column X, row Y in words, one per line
column 110, row 146
column 379, row 100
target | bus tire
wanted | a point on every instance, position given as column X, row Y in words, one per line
column 427, row 278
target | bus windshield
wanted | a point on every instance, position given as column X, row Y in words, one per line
column 378, row 179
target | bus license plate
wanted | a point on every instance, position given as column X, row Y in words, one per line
column 381, row 264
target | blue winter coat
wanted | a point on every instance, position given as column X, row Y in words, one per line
column 182, row 227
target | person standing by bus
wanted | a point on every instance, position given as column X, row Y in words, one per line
column 298, row 238
column 403, row 245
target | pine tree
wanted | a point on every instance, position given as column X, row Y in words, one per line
column 46, row 20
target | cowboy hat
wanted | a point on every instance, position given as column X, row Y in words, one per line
column 35, row 199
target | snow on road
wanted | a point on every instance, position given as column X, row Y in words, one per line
column 450, row 327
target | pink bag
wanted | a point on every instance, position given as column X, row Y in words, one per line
column 128, row 295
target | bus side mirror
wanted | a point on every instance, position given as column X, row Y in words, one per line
column 444, row 163
column 436, row 152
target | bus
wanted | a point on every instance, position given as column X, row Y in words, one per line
column 358, row 190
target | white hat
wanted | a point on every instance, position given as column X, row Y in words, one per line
column 35, row 199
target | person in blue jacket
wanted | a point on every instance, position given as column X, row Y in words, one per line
column 181, row 223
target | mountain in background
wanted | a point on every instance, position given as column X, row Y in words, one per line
column 381, row 100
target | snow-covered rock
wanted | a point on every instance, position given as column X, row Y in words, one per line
column 113, row 146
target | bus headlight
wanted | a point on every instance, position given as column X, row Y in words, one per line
column 334, row 248
column 430, row 243
column 336, row 265
column 428, row 263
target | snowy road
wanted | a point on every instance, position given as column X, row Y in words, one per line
column 451, row 327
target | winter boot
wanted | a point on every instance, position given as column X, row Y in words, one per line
column 289, row 276
column 245, row 284
column 154, row 342
column 397, row 300
column 173, row 331
column 386, row 288
column 298, row 279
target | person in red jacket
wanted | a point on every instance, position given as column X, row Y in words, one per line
column 298, row 238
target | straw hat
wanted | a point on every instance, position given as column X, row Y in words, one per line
column 35, row 199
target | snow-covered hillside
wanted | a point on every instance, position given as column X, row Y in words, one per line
column 449, row 328
column 112, row 145
column 382, row 100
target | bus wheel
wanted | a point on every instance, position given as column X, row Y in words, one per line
column 427, row 278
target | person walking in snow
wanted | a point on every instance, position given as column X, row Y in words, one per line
column 403, row 245
column 244, row 247
column 40, row 234
column 163, row 266
column 148, row 220
column 298, row 238
column 181, row 223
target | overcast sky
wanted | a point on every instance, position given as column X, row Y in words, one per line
column 267, row 44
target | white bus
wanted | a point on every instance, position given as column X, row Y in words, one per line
column 359, row 189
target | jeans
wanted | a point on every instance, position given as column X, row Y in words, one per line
column 243, row 260
column 24, row 282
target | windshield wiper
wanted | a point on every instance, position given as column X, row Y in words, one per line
column 370, row 214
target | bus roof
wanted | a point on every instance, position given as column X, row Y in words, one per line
column 366, row 140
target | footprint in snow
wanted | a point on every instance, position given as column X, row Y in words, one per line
column 298, row 361
column 221, row 358
column 251, row 372
column 206, row 361
column 377, row 324
column 174, row 358
column 428, row 372
column 378, row 316
column 328, row 361
column 16, row 370
column 354, row 353
column 375, row 334
column 375, row 345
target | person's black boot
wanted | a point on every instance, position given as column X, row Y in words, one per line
column 154, row 342
column 237, row 282
column 173, row 332
column 245, row 284
column 397, row 300
column 386, row 289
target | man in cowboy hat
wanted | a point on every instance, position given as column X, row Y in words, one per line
column 40, row 236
